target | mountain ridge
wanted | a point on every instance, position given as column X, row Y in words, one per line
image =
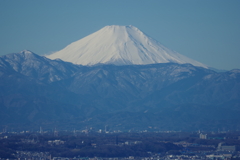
column 165, row 96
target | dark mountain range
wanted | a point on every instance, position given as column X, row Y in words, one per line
column 36, row 91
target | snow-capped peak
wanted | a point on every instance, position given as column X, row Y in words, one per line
column 26, row 52
column 119, row 45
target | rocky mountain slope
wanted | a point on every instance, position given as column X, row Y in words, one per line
column 36, row 91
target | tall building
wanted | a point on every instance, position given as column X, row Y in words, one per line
column 203, row 136
column 106, row 129
column 55, row 133
column 41, row 130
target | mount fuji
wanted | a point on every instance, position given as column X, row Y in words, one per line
column 120, row 45
column 141, row 85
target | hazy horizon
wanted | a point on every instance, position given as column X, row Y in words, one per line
column 206, row 31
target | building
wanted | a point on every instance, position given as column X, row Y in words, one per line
column 203, row 136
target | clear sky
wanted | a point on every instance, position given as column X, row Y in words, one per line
column 205, row 30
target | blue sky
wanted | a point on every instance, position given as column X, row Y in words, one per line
column 205, row 30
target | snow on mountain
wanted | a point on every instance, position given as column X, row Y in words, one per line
column 33, row 65
column 120, row 45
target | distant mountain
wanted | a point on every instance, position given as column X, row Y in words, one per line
column 120, row 45
column 36, row 91
column 33, row 65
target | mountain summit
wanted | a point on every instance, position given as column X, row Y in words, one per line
column 120, row 45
